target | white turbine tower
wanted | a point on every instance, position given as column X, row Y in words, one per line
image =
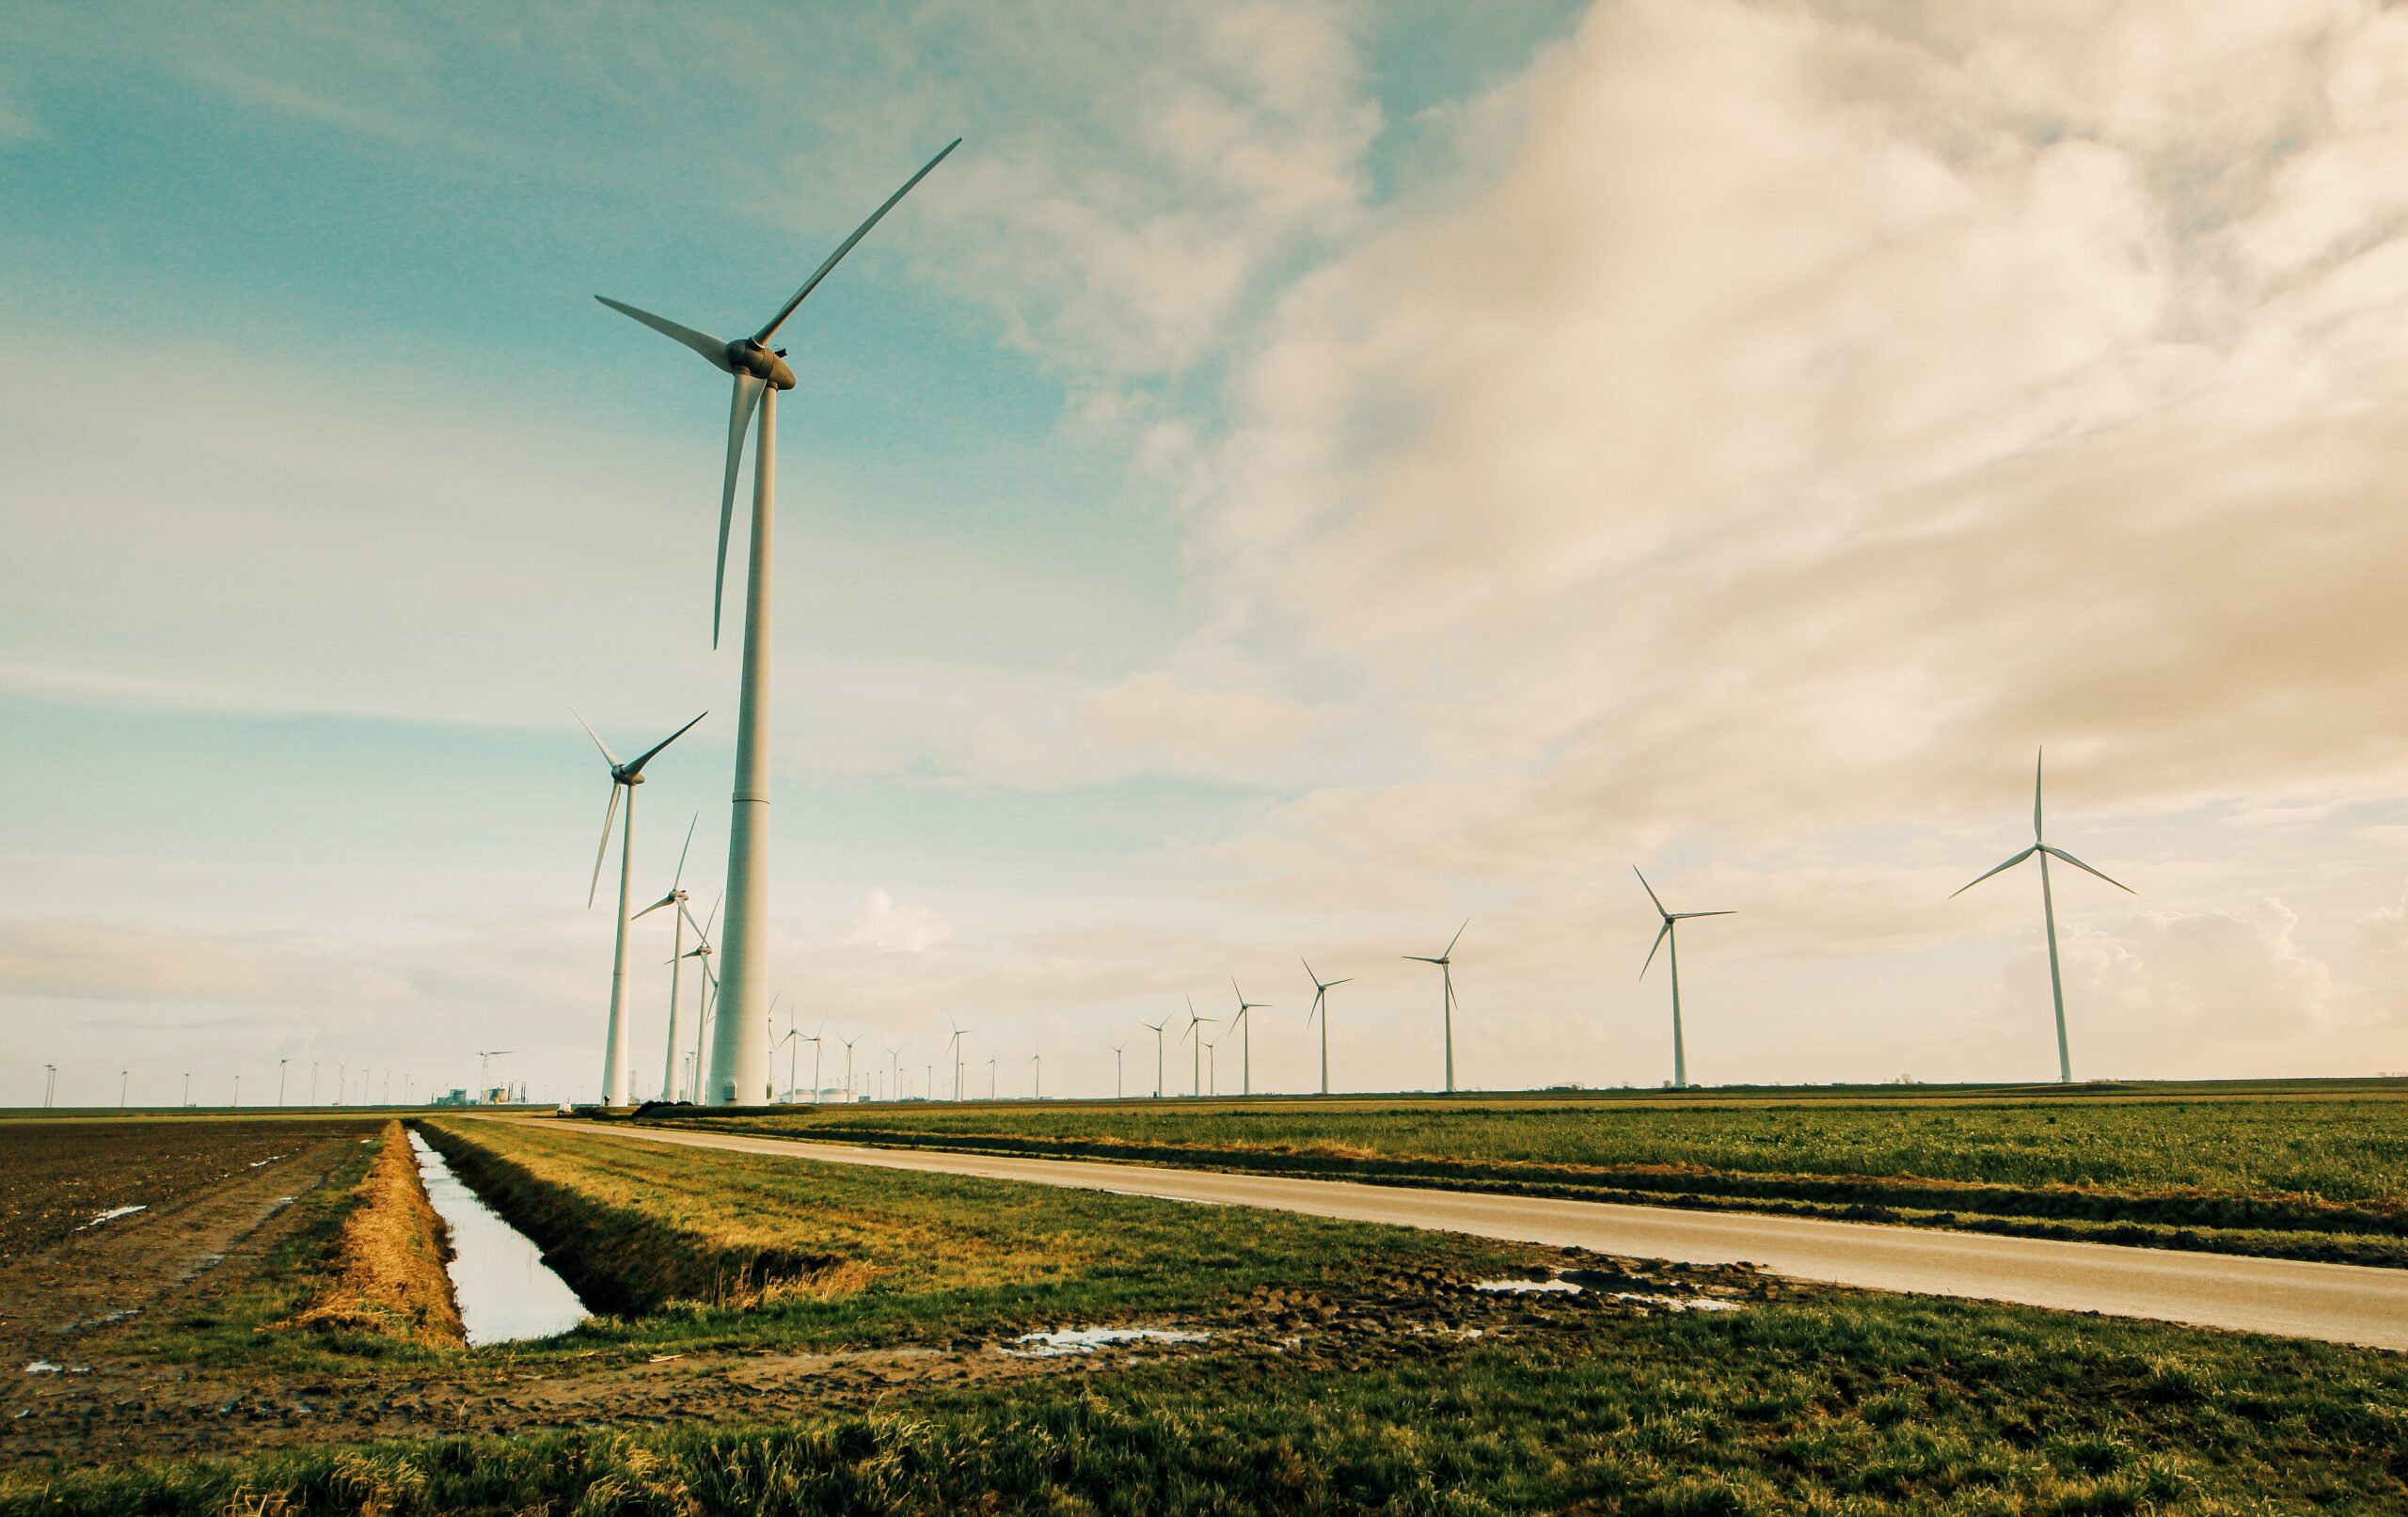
column 1321, row 1010
column 2048, row 912
column 1116, row 1082
column 1445, row 963
column 1243, row 1024
column 703, row 996
column 954, row 1047
column 1156, row 1028
column 739, row 1055
column 677, row 898
column 622, row 776
column 1196, row 1076
column 1680, row 1053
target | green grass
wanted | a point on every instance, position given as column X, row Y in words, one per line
column 2303, row 1172
column 1823, row 1404
column 901, row 1257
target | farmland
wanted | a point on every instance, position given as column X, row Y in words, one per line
column 2304, row 1172
column 789, row 1336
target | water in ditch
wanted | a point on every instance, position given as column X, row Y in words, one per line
column 506, row 1289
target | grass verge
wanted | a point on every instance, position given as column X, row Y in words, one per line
column 384, row 1272
column 2295, row 1177
column 1832, row 1403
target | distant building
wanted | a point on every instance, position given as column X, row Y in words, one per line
column 451, row 1098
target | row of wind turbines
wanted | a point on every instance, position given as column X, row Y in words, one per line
column 729, row 1061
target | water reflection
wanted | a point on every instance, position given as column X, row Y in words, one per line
column 504, row 1287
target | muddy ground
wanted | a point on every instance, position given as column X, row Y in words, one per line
column 61, row 1175
column 105, row 1403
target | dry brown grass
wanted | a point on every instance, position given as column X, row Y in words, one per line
column 385, row 1273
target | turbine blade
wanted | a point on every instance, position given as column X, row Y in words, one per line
column 714, row 916
column 2060, row 853
column 1347, row 981
column 613, row 758
column 1661, row 933
column 1684, row 916
column 679, row 878
column 1309, row 969
column 2001, row 869
column 1456, row 938
column 602, row 852
column 1419, row 959
column 2038, row 759
column 645, row 757
column 666, row 900
column 847, row 245
column 702, row 342
column 741, row 404
column 691, row 922
column 1651, row 892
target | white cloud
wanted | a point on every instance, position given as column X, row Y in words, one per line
column 2238, row 976
column 897, row 927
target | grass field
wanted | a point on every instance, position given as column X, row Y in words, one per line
column 2299, row 1172
column 1827, row 1404
column 1348, row 1368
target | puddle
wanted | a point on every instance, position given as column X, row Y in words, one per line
column 506, row 1289
column 261, row 1163
column 41, row 1366
column 1524, row 1288
column 1088, row 1340
column 1681, row 1303
column 111, row 1215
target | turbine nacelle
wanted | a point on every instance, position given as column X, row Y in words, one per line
column 748, row 355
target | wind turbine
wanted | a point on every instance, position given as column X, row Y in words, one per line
column 1243, row 1025
column 895, row 1053
column 704, row 995
column 1445, row 963
column 1156, row 1028
column 2048, row 912
column 1680, row 1054
column 678, row 919
column 1036, row 1081
column 1321, row 1010
column 1116, row 1069
column 739, row 1062
column 954, row 1047
column 622, row 776
column 848, row 1043
column 1196, row 1076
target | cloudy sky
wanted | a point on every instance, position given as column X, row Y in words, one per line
column 1299, row 477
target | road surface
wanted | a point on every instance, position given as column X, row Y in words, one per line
column 2334, row 1303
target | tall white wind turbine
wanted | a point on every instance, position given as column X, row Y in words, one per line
column 954, row 1047
column 622, row 776
column 1445, row 963
column 739, row 1063
column 1321, row 1010
column 677, row 898
column 1244, row 1022
column 1680, row 1052
column 2048, row 912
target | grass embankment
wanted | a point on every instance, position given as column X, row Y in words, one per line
column 1823, row 1404
column 660, row 1235
column 384, row 1274
column 2298, row 1176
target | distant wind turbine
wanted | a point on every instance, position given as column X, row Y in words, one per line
column 1445, row 963
column 485, row 1063
column 678, row 919
column 1156, row 1028
column 622, row 776
column 1243, row 1023
column 2048, row 912
column 955, row 1049
column 1196, row 1076
column 1680, row 1054
column 1321, row 1010
column 739, row 1062
column 1116, row 1069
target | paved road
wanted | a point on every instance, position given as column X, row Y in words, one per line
column 2336, row 1302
